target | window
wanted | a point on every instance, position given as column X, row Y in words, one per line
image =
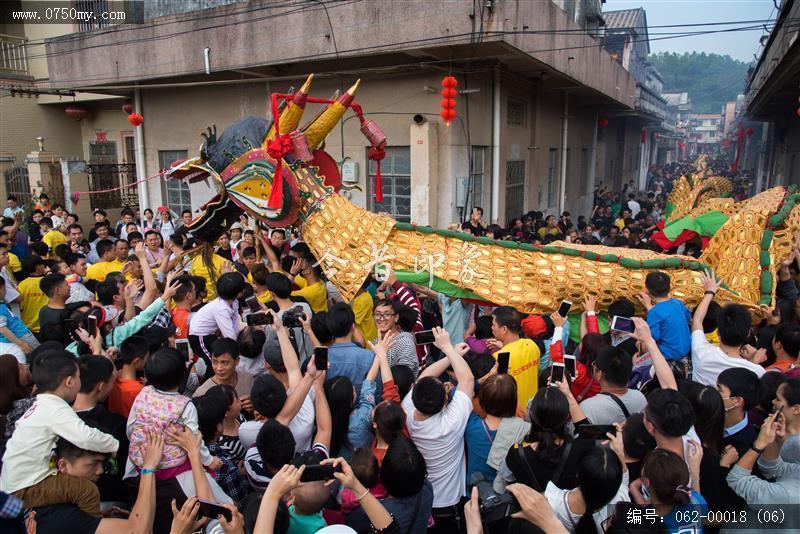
column 515, row 113
column 92, row 6
column 515, row 189
column 104, row 152
column 552, row 167
column 478, row 164
column 175, row 193
column 130, row 149
column 396, row 178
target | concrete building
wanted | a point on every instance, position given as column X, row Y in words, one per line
column 771, row 95
column 705, row 132
column 728, row 121
column 679, row 109
column 527, row 137
column 37, row 139
column 627, row 40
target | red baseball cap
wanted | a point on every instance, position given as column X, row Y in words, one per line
column 534, row 326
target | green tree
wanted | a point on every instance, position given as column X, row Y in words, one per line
column 710, row 79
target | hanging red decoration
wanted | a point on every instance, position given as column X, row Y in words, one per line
column 658, row 137
column 377, row 154
column 135, row 119
column 77, row 112
column 749, row 132
column 739, row 143
column 448, row 103
column 603, row 122
column 127, row 108
column 448, row 115
column 644, row 136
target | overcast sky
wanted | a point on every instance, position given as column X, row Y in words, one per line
column 740, row 45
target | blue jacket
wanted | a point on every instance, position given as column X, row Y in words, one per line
column 350, row 360
column 669, row 324
column 359, row 432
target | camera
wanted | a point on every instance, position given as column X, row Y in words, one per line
column 494, row 506
column 292, row 317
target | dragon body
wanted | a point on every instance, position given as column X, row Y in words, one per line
column 744, row 249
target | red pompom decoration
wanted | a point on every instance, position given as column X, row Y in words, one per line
column 135, row 119
column 448, row 103
column 448, row 115
column 127, row 108
column 449, row 92
column 749, row 132
column 449, row 81
column 603, row 122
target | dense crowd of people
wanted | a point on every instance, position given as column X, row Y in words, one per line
column 150, row 384
column 623, row 218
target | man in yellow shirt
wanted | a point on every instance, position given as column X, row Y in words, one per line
column 199, row 268
column 362, row 308
column 259, row 275
column 32, row 299
column 247, row 262
column 523, row 363
column 14, row 265
column 52, row 238
column 108, row 262
column 551, row 228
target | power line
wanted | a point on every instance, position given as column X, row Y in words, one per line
column 152, row 38
column 313, row 7
column 432, row 40
column 154, row 23
column 338, row 3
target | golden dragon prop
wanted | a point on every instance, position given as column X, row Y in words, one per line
column 350, row 241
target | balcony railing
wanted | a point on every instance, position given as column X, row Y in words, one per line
column 13, row 55
column 650, row 102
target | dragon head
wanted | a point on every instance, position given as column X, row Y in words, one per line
column 240, row 165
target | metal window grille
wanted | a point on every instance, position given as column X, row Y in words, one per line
column 515, row 188
column 396, row 178
column 176, row 193
column 515, row 113
column 478, row 155
column 17, row 184
column 552, row 168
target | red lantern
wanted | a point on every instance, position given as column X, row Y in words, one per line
column 135, row 119
column 449, row 81
column 448, row 115
column 603, row 122
column 127, row 108
column 448, row 103
column 77, row 112
column 749, row 132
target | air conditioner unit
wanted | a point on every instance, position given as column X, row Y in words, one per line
column 350, row 172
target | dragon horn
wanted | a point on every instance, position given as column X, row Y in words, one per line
column 334, row 96
column 321, row 126
column 293, row 112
